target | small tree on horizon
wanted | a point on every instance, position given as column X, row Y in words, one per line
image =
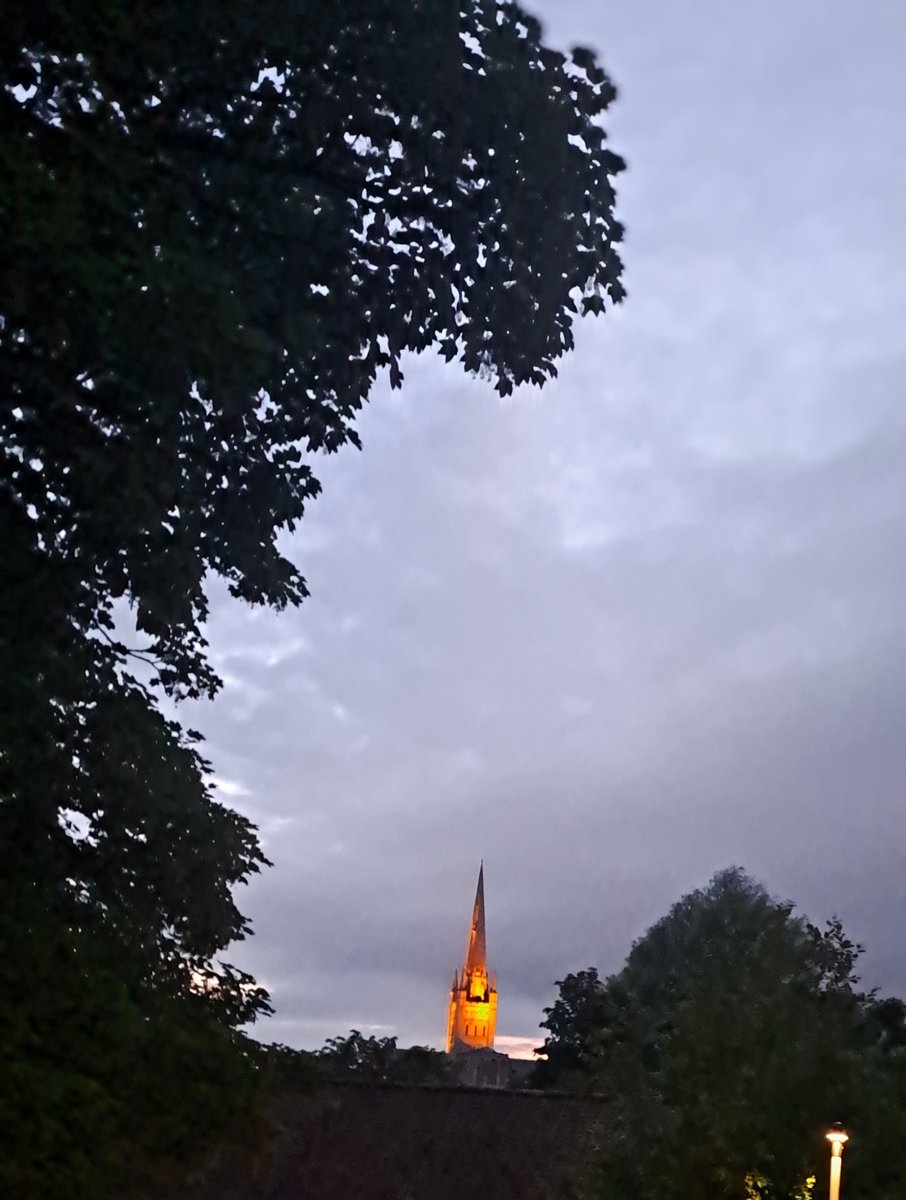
column 357, row 1058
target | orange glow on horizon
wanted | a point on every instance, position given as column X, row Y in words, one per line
column 518, row 1047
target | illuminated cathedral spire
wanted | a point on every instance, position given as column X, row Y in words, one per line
column 476, row 951
column 473, row 997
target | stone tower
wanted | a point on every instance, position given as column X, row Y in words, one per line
column 473, row 996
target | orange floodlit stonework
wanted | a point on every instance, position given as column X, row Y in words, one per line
column 473, row 997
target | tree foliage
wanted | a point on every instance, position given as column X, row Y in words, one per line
column 360, row 1059
column 734, row 1034
column 219, row 222
column 98, row 1088
column 574, row 1022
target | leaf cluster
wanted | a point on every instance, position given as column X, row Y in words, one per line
column 99, row 1086
column 732, row 1037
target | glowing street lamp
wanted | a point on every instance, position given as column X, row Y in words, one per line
column 838, row 1137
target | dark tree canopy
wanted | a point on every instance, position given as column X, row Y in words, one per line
column 732, row 1037
column 370, row 1059
column 219, row 222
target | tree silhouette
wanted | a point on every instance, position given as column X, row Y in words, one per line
column 219, row 222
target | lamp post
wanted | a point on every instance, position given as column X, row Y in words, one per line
column 838, row 1137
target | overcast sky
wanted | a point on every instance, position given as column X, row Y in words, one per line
column 645, row 624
